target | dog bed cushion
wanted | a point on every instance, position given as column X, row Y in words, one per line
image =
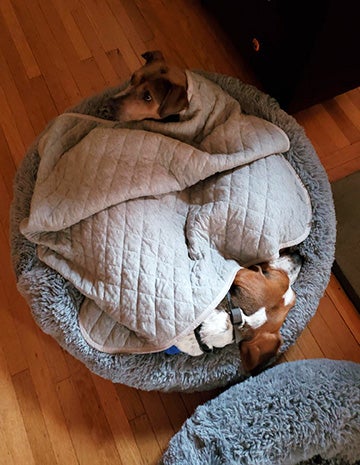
column 158, row 248
column 305, row 412
column 55, row 302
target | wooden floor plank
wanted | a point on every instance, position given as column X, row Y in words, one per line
column 350, row 107
column 42, row 377
column 6, row 273
column 33, row 418
column 77, row 68
column 108, row 31
column 103, row 22
column 119, row 423
column 130, row 400
column 325, row 338
column 44, row 56
column 158, row 417
column 12, row 427
column 308, row 346
column 118, row 63
column 6, row 199
column 55, row 359
column 343, row 120
column 64, row 8
column 339, row 157
column 16, row 104
column 94, row 44
column 344, row 169
column 338, row 134
column 348, row 312
column 352, row 110
column 13, row 25
column 340, row 332
column 76, row 425
column 146, row 440
column 8, row 168
column 175, row 409
column 9, row 338
column 293, row 353
column 51, row 41
column 86, row 420
column 137, row 19
column 191, row 401
column 126, row 28
column 20, row 78
column 45, row 100
column 13, row 137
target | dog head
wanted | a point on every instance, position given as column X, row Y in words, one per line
column 156, row 91
column 265, row 297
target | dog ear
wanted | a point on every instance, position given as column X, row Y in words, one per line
column 256, row 353
column 174, row 101
column 151, row 56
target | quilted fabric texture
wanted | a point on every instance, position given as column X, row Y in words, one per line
column 55, row 302
column 124, row 215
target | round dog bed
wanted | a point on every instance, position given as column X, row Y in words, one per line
column 305, row 412
column 55, row 303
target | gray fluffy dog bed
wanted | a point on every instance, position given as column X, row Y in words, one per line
column 54, row 302
column 305, row 412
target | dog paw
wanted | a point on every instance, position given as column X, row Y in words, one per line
column 189, row 345
column 217, row 330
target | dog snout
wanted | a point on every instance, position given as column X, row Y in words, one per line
column 111, row 108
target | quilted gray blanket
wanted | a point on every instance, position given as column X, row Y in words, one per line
column 151, row 221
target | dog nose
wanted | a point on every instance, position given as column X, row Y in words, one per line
column 109, row 109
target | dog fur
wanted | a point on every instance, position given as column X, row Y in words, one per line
column 155, row 91
column 263, row 292
column 265, row 296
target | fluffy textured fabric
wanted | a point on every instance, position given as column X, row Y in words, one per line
column 298, row 412
column 55, row 303
column 184, row 205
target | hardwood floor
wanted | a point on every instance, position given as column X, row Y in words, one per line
column 52, row 54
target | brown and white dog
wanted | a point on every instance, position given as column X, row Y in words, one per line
column 261, row 295
column 252, row 314
column 156, row 91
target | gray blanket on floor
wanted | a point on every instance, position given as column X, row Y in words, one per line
column 150, row 221
column 298, row 413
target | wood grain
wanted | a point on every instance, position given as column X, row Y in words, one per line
column 53, row 53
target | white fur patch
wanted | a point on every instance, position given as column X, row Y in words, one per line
column 189, row 345
column 217, row 330
column 257, row 319
column 289, row 296
column 288, row 263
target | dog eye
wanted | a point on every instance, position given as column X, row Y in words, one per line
column 147, row 96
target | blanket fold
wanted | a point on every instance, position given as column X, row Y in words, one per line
column 151, row 220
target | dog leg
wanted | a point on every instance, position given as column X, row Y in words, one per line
column 215, row 331
column 189, row 345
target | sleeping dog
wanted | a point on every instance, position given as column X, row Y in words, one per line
column 252, row 313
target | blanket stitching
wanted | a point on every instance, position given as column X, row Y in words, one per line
column 265, row 216
column 218, row 163
column 115, row 169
